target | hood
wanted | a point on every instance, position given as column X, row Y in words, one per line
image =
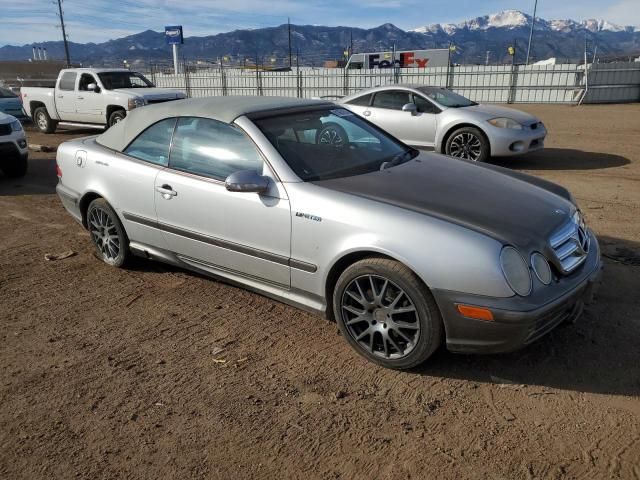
column 486, row 112
column 154, row 93
column 4, row 118
column 514, row 209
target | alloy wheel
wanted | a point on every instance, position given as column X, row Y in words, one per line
column 466, row 145
column 380, row 316
column 42, row 121
column 104, row 234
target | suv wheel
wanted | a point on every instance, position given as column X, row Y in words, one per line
column 386, row 313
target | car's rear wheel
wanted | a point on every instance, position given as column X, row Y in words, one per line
column 43, row 121
column 116, row 117
column 332, row 134
column 386, row 313
column 107, row 233
column 468, row 143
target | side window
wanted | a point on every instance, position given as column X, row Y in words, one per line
column 152, row 145
column 212, row 149
column 85, row 80
column 424, row 105
column 68, row 81
column 362, row 101
column 393, row 99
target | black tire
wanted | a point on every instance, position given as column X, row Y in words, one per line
column 116, row 117
column 15, row 167
column 332, row 134
column 417, row 309
column 43, row 121
column 469, row 143
column 107, row 233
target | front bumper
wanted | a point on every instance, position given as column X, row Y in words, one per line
column 515, row 323
column 509, row 142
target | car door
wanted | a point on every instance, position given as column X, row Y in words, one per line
column 66, row 97
column 246, row 234
column 90, row 107
column 410, row 127
column 131, row 178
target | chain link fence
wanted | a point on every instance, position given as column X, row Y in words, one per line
column 566, row 83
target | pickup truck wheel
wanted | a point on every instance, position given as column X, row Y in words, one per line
column 468, row 143
column 43, row 121
column 116, row 117
column 15, row 168
column 107, row 233
column 386, row 313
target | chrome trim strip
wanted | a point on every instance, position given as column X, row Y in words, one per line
column 217, row 242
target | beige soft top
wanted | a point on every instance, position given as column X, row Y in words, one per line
column 223, row 109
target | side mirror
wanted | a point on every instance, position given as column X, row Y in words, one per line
column 93, row 87
column 247, row 181
column 410, row 107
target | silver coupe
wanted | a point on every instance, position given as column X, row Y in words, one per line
column 404, row 250
column 447, row 122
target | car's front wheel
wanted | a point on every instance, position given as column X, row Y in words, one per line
column 468, row 143
column 386, row 313
column 107, row 233
column 116, row 117
column 43, row 121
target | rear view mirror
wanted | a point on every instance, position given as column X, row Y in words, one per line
column 410, row 107
column 247, row 181
column 93, row 87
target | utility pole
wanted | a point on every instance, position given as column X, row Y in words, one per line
column 533, row 22
column 64, row 34
column 289, row 30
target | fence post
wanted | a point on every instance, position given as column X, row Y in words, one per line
column 513, row 83
column 187, row 80
column 223, row 80
column 345, row 82
column 450, row 75
column 299, row 83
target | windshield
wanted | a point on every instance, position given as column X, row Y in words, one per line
column 446, row 98
column 113, row 80
column 6, row 93
column 332, row 143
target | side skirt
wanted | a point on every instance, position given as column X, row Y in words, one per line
column 290, row 296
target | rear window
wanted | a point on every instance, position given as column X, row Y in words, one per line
column 363, row 101
column 6, row 93
column 68, row 81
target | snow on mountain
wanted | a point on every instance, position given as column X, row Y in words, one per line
column 510, row 19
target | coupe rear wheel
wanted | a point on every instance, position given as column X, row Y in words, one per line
column 468, row 143
column 386, row 313
column 107, row 233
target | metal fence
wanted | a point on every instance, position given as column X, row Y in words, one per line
column 567, row 83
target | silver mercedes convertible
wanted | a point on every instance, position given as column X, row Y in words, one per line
column 405, row 250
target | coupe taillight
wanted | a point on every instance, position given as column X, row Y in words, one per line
column 58, row 171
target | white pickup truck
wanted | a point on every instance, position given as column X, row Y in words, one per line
column 98, row 97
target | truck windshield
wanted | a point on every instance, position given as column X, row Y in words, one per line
column 446, row 98
column 114, row 80
column 319, row 144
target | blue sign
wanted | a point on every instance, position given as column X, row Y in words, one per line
column 173, row 35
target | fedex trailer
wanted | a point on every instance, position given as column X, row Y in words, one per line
column 437, row 57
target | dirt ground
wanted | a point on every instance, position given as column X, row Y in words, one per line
column 154, row 372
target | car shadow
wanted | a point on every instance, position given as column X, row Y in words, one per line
column 41, row 178
column 597, row 354
column 561, row 159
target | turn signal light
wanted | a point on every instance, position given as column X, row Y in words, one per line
column 475, row 312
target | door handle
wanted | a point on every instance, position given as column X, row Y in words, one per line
column 80, row 98
column 60, row 96
column 166, row 191
column 366, row 113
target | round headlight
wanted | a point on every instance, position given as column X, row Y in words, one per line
column 516, row 271
column 541, row 268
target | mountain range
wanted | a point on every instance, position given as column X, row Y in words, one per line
column 563, row 39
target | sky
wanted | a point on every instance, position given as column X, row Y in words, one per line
column 27, row 21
